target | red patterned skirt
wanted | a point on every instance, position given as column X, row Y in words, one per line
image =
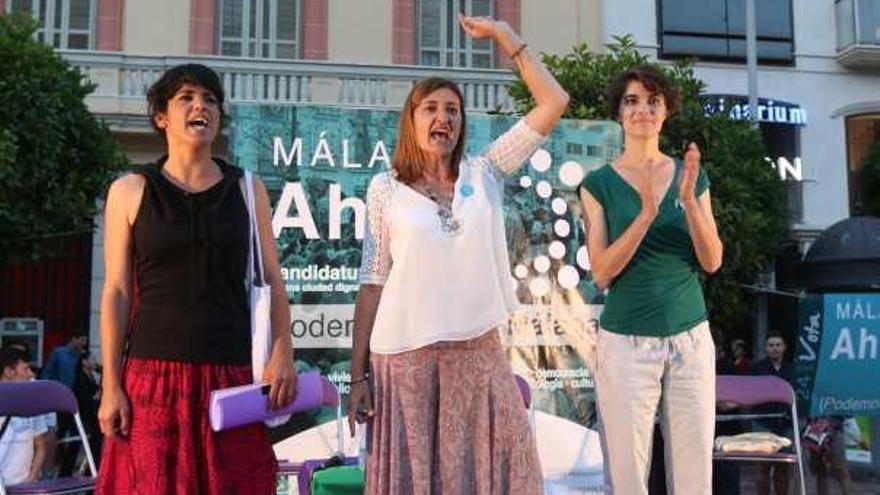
column 171, row 449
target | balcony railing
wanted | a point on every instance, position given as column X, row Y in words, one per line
column 858, row 32
column 122, row 81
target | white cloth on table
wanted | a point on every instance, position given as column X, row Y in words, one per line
column 440, row 286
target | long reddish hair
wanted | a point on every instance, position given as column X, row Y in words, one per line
column 408, row 160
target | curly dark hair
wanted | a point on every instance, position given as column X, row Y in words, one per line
column 652, row 78
column 173, row 79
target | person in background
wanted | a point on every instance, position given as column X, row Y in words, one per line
column 22, row 456
column 48, row 440
column 63, row 363
column 828, row 460
column 776, row 365
column 87, row 389
column 740, row 354
column 63, row 366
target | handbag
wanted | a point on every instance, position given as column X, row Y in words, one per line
column 817, row 435
column 260, row 297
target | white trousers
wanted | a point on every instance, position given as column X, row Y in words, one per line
column 635, row 375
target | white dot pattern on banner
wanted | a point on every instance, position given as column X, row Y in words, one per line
column 559, row 206
column 556, row 250
column 583, row 258
column 539, row 287
column 542, row 264
column 571, row 173
column 541, row 160
column 521, row 271
column 525, row 182
column 562, row 228
column 544, row 189
column 568, row 277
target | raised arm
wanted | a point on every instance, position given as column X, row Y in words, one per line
column 550, row 99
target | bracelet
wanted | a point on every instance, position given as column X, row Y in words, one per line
column 519, row 50
column 359, row 380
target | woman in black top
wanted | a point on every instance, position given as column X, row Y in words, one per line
column 176, row 257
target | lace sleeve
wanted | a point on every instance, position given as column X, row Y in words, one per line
column 507, row 153
column 375, row 255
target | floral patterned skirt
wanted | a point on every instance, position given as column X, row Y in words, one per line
column 450, row 420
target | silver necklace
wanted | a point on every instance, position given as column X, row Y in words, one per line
column 448, row 223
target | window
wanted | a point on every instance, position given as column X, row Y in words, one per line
column 862, row 131
column 716, row 29
column 64, row 24
column 574, row 149
column 260, row 28
column 858, row 22
column 441, row 42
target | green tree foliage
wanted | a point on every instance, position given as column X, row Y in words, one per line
column 869, row 178
column 55, row 157
column 748, row 197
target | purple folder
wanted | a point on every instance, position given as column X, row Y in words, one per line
column 248, row 404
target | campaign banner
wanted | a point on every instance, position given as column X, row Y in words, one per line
column 838, row 366
column 317, row 162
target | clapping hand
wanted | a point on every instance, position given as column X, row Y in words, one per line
column 690, row 172
column 646, row 187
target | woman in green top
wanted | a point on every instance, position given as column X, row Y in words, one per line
column 650, row 230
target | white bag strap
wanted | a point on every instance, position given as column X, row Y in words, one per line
column 255, row 273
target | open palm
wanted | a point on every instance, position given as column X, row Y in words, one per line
column 478, row 27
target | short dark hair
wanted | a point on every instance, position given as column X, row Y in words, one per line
column 652, row 78
column 9, row 357
column 77, row 333
column 774, row 335
column 173, row 79
column 20, row 346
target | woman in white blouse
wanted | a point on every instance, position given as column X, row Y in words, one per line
column 435, row 286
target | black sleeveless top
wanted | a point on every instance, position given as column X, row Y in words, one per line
column 190, row 260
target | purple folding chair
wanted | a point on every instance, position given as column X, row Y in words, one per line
column 755, row 390
column 526, row 392
column 33, row 398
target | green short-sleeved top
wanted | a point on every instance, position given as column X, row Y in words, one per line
column 658, row 293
